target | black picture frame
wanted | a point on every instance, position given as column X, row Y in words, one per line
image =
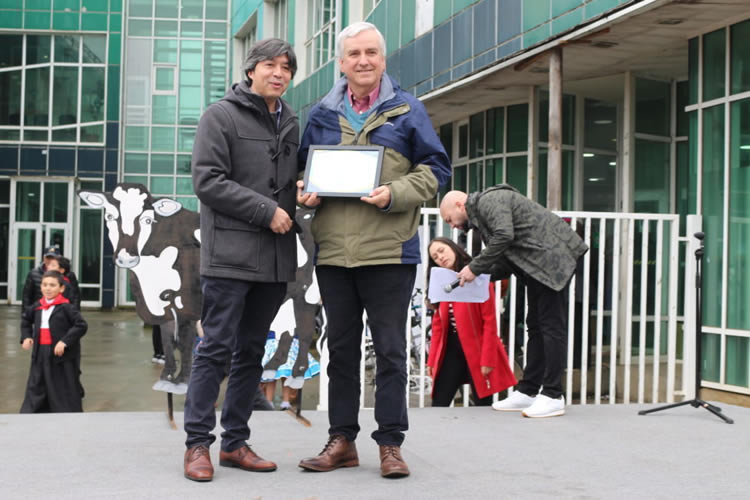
column 347, row 171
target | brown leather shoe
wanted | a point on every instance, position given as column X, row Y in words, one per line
column 198, row 464
column 246, row 459
column 391, row 463
column 338, row 452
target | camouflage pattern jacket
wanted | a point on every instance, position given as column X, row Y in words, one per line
column 521, row 234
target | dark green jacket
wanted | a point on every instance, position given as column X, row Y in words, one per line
column 524, row 234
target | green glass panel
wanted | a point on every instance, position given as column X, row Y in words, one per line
column 711, row 354
column 89, row 246
column 713, row 211
column 38, row 49
column 65, row 95
column 492, row 174
column 115, row 23
column 214, row 71
column 738, row 361
column 694, row 139
column 599, row 182
column 408, row 13
column 459, row 178
column 163, row 109
column 113, row 91
column 26, row 253
column 12, row 19
column 652, row 103
column 189, row 94
column 67, row 48
column 92, row 95
column 161, row 185
column 95, row 5
column 651, row 189
column 463, row 141
column 167, row 8
column 600, row 125
column 683, row 182
column 693, row 68
column 90, row 294
column 115, row 5
column 10, row 86
column 92, row 133
column 191, row 29
column 185, row 139
column 192, row 9
column 38, row 4
column 93, row 22
column 475, row 177
column 37, row 20
column 65, row 135
column 162, row 164
column 165, row 51
column 518, row 127
column 446, row 137
column 66, row 4
column 55, row 202
column 185, row 185
column 714, row 50
column 443, row 11
column 682, row 116
column 568, row 118
column 165, row 28
column 94, row 49
column 139, row 27
column 9, row 135
column 136, row 163
column 740, row 57
column 114, row 49
column 136, row 138
column 190, row 203
column 217, row 9
column 476, row 135
column 11, row 4
column 216, row 30
column 738, row 312
column 65, row 21
column 140, row 8
column 183, row 164
column 535, row 13
column 516, row 174
column 136, row 179
column 36, row 135
column 495, row 130
column 164, row 79
column 162, row 139
column 28, row 201
column 567, row 192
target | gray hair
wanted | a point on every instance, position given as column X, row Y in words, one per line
column 266, row 50
column 353, row 30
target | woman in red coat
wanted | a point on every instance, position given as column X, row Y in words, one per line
column 464, row 346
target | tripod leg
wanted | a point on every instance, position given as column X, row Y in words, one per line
column 665, row 407
column 715, row 410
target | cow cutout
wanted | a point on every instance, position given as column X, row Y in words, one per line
column 158, row 241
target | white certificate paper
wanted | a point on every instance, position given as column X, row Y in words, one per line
column 343, row 171
column 476, row 291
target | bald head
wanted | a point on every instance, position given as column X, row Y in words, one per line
column 453, row 209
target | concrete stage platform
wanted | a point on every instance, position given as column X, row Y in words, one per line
column 458, row 453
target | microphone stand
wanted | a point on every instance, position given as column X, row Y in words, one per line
column 696, row 403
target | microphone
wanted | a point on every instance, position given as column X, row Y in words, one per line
column 452, row 286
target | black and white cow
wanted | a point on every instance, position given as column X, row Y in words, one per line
column 158, row 241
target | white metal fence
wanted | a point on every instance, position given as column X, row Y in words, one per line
column 628, row 337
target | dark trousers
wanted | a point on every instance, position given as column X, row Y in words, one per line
column 236, row 317
column 384, row 292
column 547, row 323
column 454, row 372
column 53, row 385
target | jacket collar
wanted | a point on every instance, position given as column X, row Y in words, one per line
column 44, row 305
column 334, row 100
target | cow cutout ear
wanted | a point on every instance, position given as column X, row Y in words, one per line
column 166, row 207
column 94, row 200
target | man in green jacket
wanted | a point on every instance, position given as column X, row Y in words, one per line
column 524, row 238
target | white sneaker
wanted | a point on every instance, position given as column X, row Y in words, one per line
column 517, row 401
column 545, row 406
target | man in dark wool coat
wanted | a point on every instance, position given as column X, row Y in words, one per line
column 524, row 238
column 244, row 167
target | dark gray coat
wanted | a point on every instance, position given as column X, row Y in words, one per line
column 243, row 168
column 523, row 233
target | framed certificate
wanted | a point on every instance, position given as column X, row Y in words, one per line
column 344, row 171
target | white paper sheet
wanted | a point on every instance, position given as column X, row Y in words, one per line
column 476, row 291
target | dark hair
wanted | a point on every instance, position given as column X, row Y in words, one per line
column 462, row 258
column 267, row 49
column 54, row 274
column 64, row 263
